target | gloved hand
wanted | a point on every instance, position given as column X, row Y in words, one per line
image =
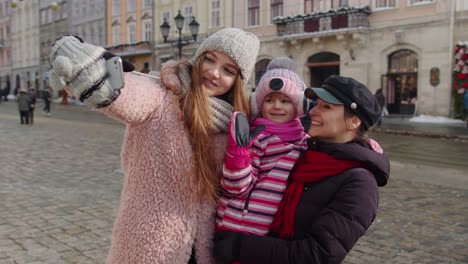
column 81, row 68
column 227, row 246
column 375, row 145
column 240, row 139
column 177, row 76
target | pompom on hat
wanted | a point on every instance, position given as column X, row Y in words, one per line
column 240, row 45
column 351, row 93
column 280, row 77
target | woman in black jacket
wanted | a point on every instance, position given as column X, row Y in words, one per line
column 333, row 196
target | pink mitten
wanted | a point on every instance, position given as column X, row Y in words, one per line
column 375, row 146
column 240, row 139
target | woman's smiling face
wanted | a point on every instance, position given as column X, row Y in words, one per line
column 328, row 122
column 219, row 73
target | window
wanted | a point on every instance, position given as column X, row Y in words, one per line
column 167, row 17
column 260, row 69
column 384, row 3
column 92, row 7
column 253, row 13
column 188, row 14
column 415, row 2
column 116, row 7
column 215, row 13
column 147, row 30
column 131, row 6
column 83, row 7
column 64, row 10
column 76, row 8
column 43, row 16
column 147, row 4
column 276, row 8
column 115, row 35
column 310, row 5
column 343, row 3
column 131, row 33
column 50, row 15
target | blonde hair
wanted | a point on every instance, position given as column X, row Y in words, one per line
column 196, row 110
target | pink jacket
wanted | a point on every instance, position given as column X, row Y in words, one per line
column 158, row 220
column 252, row 195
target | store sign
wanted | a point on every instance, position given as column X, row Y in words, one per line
column 435, row 79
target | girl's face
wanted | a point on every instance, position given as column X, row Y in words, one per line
column 278, row 108
column 219, row 73
column 329, row 123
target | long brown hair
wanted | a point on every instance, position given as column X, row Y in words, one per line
column 196, row 110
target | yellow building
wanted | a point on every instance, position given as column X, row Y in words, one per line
column 129, row 27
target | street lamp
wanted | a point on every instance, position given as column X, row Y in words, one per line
column 179, row 20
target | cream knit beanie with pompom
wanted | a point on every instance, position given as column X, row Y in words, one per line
column 240, row 45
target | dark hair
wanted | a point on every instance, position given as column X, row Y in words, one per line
column 361, row 132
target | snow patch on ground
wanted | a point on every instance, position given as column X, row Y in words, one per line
column 435, row 119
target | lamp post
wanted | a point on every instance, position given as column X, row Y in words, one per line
column 179, row 20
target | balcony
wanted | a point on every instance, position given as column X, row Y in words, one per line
column 321, row 23
column 133, row 49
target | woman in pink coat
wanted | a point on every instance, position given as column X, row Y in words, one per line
column 174, row 143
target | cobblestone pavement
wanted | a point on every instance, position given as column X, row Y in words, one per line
column 61, row 181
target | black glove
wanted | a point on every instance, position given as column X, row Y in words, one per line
column 227, row 246
column 245, row 137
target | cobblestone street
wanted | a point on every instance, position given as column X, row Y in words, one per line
column 61, row 181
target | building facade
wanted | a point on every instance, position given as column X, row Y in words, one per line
column 394, row 45
column 87, row 19
column 404, row 47
column 25, row 48
column 53, row 24
column 129, row 31
column 5, row 46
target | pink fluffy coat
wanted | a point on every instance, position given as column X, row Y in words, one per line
column 158, row 222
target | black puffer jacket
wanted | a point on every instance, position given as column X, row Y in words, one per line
column 331, row 215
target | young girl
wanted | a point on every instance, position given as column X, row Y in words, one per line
column 173, row 143
column 257, row 164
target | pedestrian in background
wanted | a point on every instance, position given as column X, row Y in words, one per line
column 381, row 99
column 47, row 96
column 32, row 105
column 174, row 142
column 24, row 102
column 332, row 196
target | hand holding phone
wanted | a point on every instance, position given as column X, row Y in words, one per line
column 115, row 73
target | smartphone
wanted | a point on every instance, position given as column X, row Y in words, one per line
column 115, row 72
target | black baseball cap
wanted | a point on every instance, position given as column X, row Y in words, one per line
column 351, row 93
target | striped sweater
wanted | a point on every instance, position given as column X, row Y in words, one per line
column 251, row 196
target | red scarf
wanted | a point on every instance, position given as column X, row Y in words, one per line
column 314, row 166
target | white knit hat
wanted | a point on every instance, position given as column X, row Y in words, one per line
column 241, row 46
column 280, row 77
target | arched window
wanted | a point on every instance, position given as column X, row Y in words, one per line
column 322, row 65
column 260, row 69
column 403, row 61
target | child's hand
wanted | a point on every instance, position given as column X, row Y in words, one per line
column 240, row 139
column 239, row 131
column 375, row 145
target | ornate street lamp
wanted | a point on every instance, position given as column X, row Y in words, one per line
column 179, row 21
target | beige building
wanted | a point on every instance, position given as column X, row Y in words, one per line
column 25, row 48
column 129, row 28
column 403, row 46
column 53, row 21
column 5, row 45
